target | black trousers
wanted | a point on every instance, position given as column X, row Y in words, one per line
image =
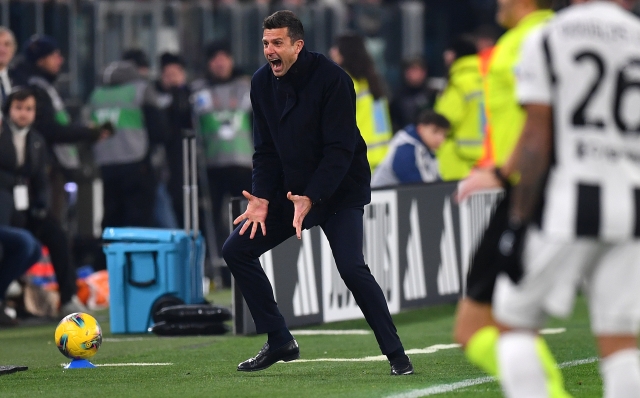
column 344, row 231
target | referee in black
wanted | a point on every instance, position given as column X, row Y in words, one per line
column 309, row 168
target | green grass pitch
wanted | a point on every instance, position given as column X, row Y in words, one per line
column 206, row 366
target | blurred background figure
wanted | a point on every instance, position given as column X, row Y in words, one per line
column 412, row 152
column 372, row 109
column 7, row 51
column 413, row 96
column 24, row 191
column 173, row 94
column 39, row 69
column 130, row 104
column 462, row 103
column 222, row 107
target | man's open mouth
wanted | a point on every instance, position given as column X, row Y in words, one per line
column 275, row 63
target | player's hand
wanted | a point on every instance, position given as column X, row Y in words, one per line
column 478, row 180
column 301, row 206
column 256, row 214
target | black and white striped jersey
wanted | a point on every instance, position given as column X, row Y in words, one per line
column 585, row 63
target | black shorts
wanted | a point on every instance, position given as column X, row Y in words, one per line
column 481, row 279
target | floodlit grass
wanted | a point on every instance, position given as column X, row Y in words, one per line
column 206, row 366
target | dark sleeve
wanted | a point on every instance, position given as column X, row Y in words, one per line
column 54, row 132
column 339, row 135
column 156, row 120
column 267, row 167
column 156, row 123
column 40, row 179
column 404, row 164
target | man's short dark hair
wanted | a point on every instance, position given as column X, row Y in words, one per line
column 19, row 93
column 285, row 19
column 431, row 117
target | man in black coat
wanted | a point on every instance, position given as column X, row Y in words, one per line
column 309, row 168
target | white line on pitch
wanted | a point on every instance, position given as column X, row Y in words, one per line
column 329, row 332
column 442, row 388
column 121, row 339
column 552, row 331
column 427, row 350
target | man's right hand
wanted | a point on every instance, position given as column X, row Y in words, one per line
column 478, row 180
column 256, row 214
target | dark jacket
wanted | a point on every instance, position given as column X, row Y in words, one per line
column 32, row 173
column 306, row 139
column 52, row 131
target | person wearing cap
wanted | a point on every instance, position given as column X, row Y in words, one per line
column 39, row 69
column 174, row 95
column 24, row 190
column 128, row 101
column 222, row 108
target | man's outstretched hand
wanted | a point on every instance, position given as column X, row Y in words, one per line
column 256, row 214
column 301, row 206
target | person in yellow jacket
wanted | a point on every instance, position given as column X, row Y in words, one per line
column 475, row 328
column 372, row 107
column 462, row 104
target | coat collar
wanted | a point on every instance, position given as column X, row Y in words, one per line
column 295, row 79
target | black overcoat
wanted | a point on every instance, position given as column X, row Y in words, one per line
column 306, row 139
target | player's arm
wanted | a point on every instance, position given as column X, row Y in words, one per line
column 532, row 159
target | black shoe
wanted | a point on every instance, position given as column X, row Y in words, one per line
column 266, row 358
column 401, row 366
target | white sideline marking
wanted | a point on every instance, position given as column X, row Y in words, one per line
column 442, row 388
column 129, row 364
column 329, row 332
column 121, row 339
column 552, row 331
column 427, row 350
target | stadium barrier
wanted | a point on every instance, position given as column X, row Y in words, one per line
column 417, row 242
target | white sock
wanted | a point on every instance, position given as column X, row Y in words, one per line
column 520, row 370
column 621, row 374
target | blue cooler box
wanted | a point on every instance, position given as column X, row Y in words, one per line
column 146, row 265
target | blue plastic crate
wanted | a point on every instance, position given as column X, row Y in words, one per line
column 145, row 265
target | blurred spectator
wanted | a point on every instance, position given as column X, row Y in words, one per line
column 18, row 251
column 174, row 94
column 24, row 190
column 372, row 109
column 163, row 213
column 7, row 51
column 130, row 104
column 462, row 103
column 411, row 156
column 223, row 112
column 414, row 96
column 139, row 59
column 39, row 69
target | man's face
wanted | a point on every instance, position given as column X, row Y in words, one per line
column 221, row 65
column 23, row 113
column 7, row 49
column 505, row 16
column 433, row 136
column 280, row 50
column 415, row 76
column 52, row 63
column 173, row 75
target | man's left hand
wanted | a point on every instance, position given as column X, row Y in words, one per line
column 301, row 205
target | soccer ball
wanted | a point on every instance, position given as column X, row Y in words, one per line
column 78, row 336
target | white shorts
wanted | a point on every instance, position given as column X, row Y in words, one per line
column 553, row 271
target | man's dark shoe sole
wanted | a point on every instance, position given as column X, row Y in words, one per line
column 287, row 353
